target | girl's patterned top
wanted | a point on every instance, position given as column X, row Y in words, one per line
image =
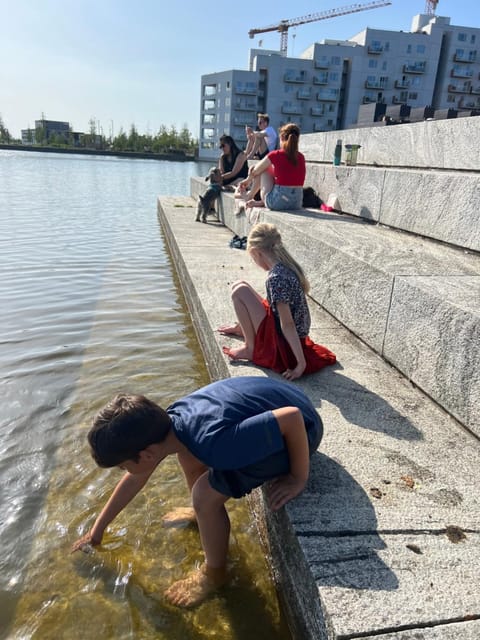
column 283, row 285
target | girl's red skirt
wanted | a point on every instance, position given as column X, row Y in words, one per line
column 272, row 350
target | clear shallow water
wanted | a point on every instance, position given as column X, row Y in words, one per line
column 88, row 308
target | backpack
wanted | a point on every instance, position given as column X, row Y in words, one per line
column 311, row 199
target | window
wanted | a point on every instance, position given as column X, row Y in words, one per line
column 413, row 95
column 450, row 98
column 335, row 60
column 384, row 65
column 333, row 76
column 420, row 48
column 462, row 37
column 472, row 38
column 228, row 85
column 387, row 46
column 227, row 102
column 372, row 64
column 409, row 48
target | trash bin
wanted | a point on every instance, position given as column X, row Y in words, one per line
column 351, row 154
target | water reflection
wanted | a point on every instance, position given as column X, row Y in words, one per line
column 90, row 308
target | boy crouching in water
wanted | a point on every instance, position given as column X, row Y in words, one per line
column 230, row 437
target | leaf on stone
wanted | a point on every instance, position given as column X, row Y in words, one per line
column 455, row 534
column 415, row 548
column 376, row 493
column 409, row 481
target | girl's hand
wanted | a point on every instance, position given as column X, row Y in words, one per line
column 293, row 374
column 282, row 490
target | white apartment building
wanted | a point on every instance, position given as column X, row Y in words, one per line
column 434, row 64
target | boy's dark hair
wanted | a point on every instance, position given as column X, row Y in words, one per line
column 125, row 426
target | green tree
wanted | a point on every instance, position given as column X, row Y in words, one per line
column 5, row 136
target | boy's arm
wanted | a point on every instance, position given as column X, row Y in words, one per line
column 124, row 492
column 292, row 427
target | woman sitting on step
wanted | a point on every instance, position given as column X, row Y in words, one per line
column 279, row 176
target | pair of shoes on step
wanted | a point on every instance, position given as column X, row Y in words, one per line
column 238, row 243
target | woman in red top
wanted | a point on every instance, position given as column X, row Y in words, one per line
column 281, row 174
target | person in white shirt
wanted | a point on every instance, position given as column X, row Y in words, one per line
column 263, row 140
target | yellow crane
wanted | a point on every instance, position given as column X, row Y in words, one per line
column 284, row 25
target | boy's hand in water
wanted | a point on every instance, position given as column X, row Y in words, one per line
column 86, row 541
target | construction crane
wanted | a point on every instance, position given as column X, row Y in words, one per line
column 284, row 25
column 430, row 6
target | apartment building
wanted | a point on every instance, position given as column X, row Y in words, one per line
column 433, row 64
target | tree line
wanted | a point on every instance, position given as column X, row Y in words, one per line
column 164, row 141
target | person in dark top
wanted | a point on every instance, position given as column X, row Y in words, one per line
column 275, row 330
column 229, row 436
column 233, row 162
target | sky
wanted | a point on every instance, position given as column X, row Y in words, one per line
column 124, row 62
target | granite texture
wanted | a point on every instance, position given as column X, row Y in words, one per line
column 433, row 337
column 384, row 542
column 356, row 270
column 442, row 144
column 442, row 205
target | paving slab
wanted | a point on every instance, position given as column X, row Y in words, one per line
column 384, row 541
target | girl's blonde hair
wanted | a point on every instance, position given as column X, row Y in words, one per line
column 266, row 237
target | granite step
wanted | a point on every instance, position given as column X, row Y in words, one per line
column 385, row 540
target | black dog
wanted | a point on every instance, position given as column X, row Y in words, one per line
column 206, row 201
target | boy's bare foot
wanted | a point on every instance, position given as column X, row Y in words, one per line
column 251, row 204
column 238, row 353
column 179, row 517
column 196, row 587
column 230, row 330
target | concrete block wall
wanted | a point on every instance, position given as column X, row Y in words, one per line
column 423, row 177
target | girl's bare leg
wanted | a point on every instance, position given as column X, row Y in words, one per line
column 250, row 313
column 214, row 527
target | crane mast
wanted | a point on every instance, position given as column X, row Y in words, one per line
column 284, row 25
column 430, row 6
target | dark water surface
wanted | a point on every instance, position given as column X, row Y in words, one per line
column 89, row 307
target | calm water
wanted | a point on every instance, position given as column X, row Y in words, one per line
column 89, row 307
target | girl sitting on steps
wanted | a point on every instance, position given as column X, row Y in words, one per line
column 275, row 330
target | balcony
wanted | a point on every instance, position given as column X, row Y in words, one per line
column 246, row 89
column 292, row 109
column 246, row 106
column 461, row 73
column 418, row 67
column 304, row 94
column 452, row 88
column 399, row 100
column 328, row 96
column 465, row 103
column 317, row 112
column 402, row 84
column 320, row 79
column 323, row 63
column 459, row 57
column 375, row 85
column 294, row 77
column 475, row 91
column 375, row 49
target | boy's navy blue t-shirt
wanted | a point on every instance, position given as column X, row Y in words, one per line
column 229, row 425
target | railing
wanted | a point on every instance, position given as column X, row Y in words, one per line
column 461, row 73
column 293, row 77
column 414, row 68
